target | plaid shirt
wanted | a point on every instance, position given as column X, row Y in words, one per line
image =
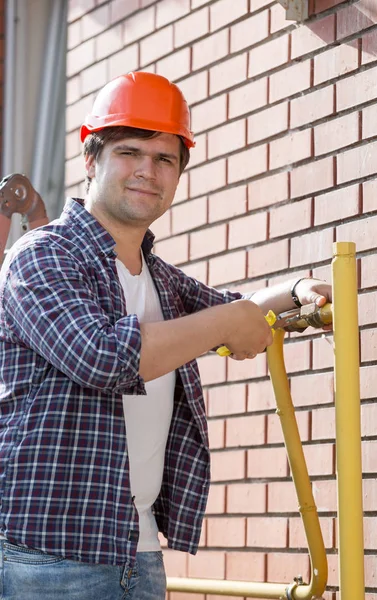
column 68, row 351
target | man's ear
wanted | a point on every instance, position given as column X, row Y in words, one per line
column 90, row 165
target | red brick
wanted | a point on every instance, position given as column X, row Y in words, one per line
column 268, row 56
column 260, row 396
column 156, row 45
column 369, row 494
column 198, row 154
column 108, row 42
column 368, row 345
column 369, row 45
column 336, row 62
column 209, row 50
column 176, row 65
column 361, row 231
column 216, row 500
column 290, row 81
column 290, row 149
column 367, row 308
column 268, row 258
column 283, row 220
column 248, row 229
column 267, row 123
column 212, row 369
column 344, row 201
column 297, row 356
column 268, row 191
column 275, row 432
column 161, row 227
column 246, row 498
column 321, row 5
column 95, row 22
column 189, row 215
column 195, row 88
column 368, row 449
column 197, row 3
column 226, row 533
column 311, row 247
column 216, row 433
column 369, row 195
column 284, row 567
column 370, row 572
column 74, row 37
column 228, row 73
column 247, row 163
column 356, row 89
column 76, row 9
column 313, row 36
column 175, row 563
column 336, row 134
column 368, row 415
column 310, row 178
column 267, row 532
column 369, row 115
column 247, row 369
column 191, row 27
column 182, row 193
column 249, row 31
column 368, row 382
column 312, row 106
column 245, row 566
column 224, row 12
column 207, row 177
column 297, row 537
column 368, row 271
column 208, row 114
column 312, row 390
column 174, row 250
column 128, row 56
column 225, row 400
column 228, row 465
column 278, row 18
column 281, row 497
column 198, row 270
column 72, row 145
column 255, row 4
column 207, row 241
column 325, row 495
column 267, row 462
column 80, row 57
column 227, row 204
column 230, row 267
column 245, row 431
column 353, row 19
column 323, row 424
column 320, row 459
column 323, row 353
column 247, row 98
column 138, row 26
column 94, row 77
column 119, row 11
column 207, row 564
column 74, row 170
column 170, row 10
column 227, row 138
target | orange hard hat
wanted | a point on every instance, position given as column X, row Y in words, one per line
column 141, row 100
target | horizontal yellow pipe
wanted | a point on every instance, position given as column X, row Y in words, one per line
column 227, row 588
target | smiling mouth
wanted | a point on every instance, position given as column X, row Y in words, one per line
column 141, row 191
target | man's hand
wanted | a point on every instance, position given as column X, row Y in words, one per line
column 313, row 290
column 248, row 331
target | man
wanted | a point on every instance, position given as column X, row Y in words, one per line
column 103, row 431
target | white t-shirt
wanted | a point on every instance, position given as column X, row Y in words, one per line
column 147, row 417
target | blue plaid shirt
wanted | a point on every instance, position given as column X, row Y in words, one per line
column 68, row 351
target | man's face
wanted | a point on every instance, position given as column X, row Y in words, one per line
column 134, row 180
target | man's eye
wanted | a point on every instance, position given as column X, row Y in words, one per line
column 164, row 159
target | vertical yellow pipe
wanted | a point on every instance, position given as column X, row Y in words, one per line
column 348, row 429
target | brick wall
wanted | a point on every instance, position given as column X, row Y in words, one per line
column 285, row 117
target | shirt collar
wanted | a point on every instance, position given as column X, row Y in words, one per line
column 74, row 209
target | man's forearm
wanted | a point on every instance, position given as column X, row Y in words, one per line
column 277, row 297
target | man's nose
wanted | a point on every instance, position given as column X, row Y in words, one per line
column 146, row 168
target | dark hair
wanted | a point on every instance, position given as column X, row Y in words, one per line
column 95, row 142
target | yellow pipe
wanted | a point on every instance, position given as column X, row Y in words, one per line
column 306, row 506
column 348, row 429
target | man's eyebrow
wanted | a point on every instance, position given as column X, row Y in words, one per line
column 122, row 147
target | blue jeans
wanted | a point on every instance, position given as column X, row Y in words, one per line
column 34, row 575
